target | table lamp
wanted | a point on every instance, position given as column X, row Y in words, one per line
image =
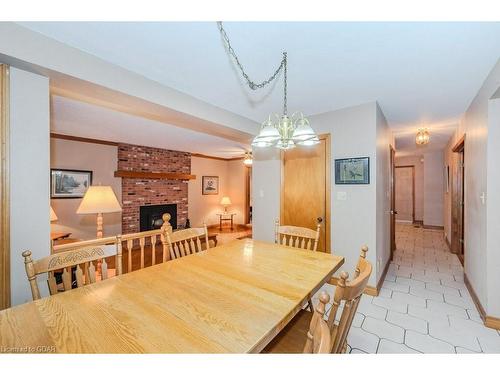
column 53, row 216
column 225, row 202
column 99, row 200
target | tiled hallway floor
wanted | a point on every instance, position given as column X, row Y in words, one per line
column 423, row 306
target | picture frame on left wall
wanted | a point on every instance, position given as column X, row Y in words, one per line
column 69, row 183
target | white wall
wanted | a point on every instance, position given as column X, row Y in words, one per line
column 204, row 208
column 355, row 132
column 480, row 126
column 29, row 176
column 493, row 209
column 433, row 188
column 383, row 207
column 266, row 185
column 102, row 160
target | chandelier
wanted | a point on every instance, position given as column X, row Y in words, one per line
column 423, row 137
column 281, row 131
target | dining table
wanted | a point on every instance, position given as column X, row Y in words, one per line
column 234, row 298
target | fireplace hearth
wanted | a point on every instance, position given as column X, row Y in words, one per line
column 150, row 217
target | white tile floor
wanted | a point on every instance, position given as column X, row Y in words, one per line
column 424, row 305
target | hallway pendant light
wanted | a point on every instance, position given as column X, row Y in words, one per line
column 248, row 160
column 423, row 137
column 281, row 131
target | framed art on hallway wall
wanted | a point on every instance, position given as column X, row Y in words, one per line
column 352, row 171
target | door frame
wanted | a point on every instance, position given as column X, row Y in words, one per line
column 392, row 212
column 248, row 171
column 412, row 190
column 328, row 190
column 4, row 190
column 455, row 242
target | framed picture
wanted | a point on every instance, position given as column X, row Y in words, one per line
column 352, row 171
column 69, row 183
column 210, row 185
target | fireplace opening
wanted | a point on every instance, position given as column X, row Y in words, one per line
column 150, row 217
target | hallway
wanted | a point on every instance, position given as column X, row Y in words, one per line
column 423, row 306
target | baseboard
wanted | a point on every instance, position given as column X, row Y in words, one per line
column 489, row 321
column 492, row 322
column 473, row 294
column 369, row 290
column 437, row 227
column 418, row 222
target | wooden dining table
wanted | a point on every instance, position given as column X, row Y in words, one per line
column 234, row 298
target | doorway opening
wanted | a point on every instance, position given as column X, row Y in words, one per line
column 405, row 193
column 458, row 202
column 305, row 188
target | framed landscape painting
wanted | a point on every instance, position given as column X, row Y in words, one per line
column 68, row 183
column 210, row 185
column 352, row 171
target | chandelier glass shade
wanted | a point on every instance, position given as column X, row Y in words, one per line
column 423, row 137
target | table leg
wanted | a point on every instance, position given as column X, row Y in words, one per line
column 220, row 223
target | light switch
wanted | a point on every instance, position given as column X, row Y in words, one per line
column 261, row 193
column 341, row 195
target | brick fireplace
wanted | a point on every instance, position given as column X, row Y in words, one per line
column 137, row 192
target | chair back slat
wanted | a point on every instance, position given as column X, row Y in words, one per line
column 187, row 241
column 130, row 245
column 104, row 270
column 51, row 281
column 66, row 279
column 152, row 239
column 347, row 292
column 142, row 243
column 69, row 258
column 299, row 237
column 92, row 278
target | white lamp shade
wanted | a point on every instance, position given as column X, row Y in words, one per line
column 99, row 200
column 53, row 216
column 225, row 201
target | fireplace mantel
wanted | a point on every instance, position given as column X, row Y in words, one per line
column 155, row 175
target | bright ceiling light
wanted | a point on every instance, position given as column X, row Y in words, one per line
column 248, row 160
column 423, row 137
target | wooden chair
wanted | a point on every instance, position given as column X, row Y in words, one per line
column 187, row 241
column 300, row 237
column 86, row 253
column 310, row 332
column 147, row 241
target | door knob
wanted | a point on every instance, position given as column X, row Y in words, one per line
column 319, row 219
column 394, row 212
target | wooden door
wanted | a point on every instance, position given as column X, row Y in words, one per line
column 393, row 212
column 458, row 202
column 305, row 189
column 405, row 193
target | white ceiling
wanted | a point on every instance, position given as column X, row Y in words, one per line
column 417, row 71
column 90, row 121
column 420, row 73
column 440, row 135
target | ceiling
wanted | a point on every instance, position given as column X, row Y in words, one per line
column 80, row 119
column 420, row 73
column 440, row 135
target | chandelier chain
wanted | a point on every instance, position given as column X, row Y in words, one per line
column 252, row 84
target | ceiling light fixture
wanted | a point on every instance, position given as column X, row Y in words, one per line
column 248, row 160
column 281, row 131
column 423, row 137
